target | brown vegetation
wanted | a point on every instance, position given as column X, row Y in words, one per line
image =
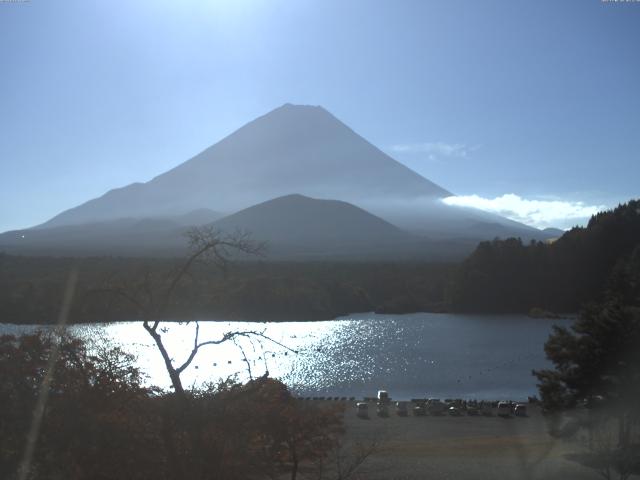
column 101, row 423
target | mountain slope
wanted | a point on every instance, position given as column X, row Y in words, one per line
column 294, row 227
column 123, row 236
column 295, row 223
column 300, row 149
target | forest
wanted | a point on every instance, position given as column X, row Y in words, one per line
column 508, row 276
column 31, row 289
column 500, row 276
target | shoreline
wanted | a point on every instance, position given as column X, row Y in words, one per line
column 418, row 356
column 340, row 317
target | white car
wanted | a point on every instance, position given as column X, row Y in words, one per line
column 455, row 411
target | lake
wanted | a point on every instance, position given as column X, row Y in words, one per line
column 411, row 356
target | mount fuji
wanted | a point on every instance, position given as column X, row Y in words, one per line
column 299, row 152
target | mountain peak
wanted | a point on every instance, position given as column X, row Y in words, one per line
column 293, row 148
column 297, row 114
column 295, row 106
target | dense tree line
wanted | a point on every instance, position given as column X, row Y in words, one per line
column 31, row 288
column 508, row 276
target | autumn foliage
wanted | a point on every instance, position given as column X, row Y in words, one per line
column 101, row 423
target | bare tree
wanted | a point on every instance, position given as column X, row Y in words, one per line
column 153, row 296
column 206, row 245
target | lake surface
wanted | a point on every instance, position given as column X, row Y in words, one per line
column 415, row 355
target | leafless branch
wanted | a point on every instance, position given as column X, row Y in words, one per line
column 244, row 358
column 228, row 336
column 208, row 245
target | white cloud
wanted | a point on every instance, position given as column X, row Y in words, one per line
column 537, row 213
column 435, row 150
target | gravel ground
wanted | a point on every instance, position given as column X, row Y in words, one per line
column 465, row 447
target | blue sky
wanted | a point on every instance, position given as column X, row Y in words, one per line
column 530, row 108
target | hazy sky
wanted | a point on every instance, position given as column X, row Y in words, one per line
column 528, row 107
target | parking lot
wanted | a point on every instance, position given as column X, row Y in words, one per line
column 461, row 447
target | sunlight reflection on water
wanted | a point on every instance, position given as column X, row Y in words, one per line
column 415, row 355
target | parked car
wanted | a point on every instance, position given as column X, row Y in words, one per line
column 420, row 409
column 455, row 411
column 436, row 407
column 504, row 409
column 520, row 410
column 402, row 409
column 383, row 396
column 362, row 409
